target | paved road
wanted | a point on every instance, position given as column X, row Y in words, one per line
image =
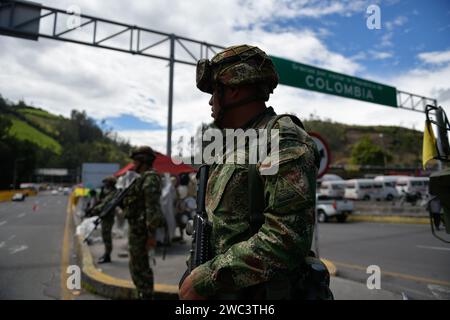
column 411, row 259
column 31, row 246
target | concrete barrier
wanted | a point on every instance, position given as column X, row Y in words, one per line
column 8, row 194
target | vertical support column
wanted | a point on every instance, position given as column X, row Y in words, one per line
column 316, row 232
column 169, row 116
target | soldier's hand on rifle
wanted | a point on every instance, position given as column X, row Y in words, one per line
column 187, row 291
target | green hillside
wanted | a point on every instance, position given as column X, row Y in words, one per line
column 401, row 146
column 45, row 121
column 23, row 131
column 32, row 138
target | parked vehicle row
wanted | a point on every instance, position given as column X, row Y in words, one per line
column 380, row 188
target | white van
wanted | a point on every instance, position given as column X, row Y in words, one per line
column 413, row 185
column 362, row 189
column 333, row 188
column 389, row 191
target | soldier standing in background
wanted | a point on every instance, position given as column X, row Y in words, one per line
column 143, row 212
column 107, row 194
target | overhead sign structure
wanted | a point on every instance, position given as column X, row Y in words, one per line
column 303, row 76
column 20, row 19
column 324, row 152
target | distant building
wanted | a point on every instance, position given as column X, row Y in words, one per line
column 92, row 174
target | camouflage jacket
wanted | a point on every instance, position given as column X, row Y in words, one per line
column 107, row 197
column 143, row 200
column 243, row 259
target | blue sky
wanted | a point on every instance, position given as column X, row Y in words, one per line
column 128, row 121
column 414, row 26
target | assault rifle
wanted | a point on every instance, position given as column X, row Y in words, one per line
column 111, row 205
column 200, row 228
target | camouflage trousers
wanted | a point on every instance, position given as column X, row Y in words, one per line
column 140, row 270
column 107, row 225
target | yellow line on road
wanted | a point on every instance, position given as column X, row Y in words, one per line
column 65, row 255
column 389, row 219
column 395, row 274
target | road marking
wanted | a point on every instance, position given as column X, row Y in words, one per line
column 3, row 223
column 17, row 249
column 439, row 292
column 395, row 274
column 65, row 256
column 21, row 215
column 434, row 248
column 2, row 244
column 11, row 237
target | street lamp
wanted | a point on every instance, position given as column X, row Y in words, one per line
column 384, row 149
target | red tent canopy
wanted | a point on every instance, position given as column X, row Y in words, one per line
column 162, row 164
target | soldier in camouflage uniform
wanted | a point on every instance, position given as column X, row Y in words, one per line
column 143, row 212
column 264, row 263
column 107, row 194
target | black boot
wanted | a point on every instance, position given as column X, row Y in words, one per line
column 105, row 259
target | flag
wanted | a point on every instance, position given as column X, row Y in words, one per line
column 429, row 144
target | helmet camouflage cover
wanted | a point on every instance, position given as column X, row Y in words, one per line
column 110, row 180
column 236, row 66
column 143, row 153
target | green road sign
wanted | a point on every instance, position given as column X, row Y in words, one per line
column 311, row 78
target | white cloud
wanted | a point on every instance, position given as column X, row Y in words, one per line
column 397, row 22
column 380, row 55
column 428, row 82
column 436, row 57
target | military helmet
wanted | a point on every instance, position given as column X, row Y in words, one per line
column 236, row 66
column 111, row 180
column 143, row 153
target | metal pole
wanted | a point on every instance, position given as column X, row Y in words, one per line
column 316, row 232
column 169, row 116
column 15, row 175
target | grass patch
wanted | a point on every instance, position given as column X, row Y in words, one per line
column 23, row 131
column 37, row 112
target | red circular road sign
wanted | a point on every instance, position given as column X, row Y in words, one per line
column 324, row 152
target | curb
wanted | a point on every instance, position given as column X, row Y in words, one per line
column 389, row 219
column 111, row 287
column 331, row 267
column 108, row 286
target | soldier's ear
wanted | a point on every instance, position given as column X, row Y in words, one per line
column 234, row 92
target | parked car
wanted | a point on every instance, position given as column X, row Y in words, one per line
column 332, row 207
column 18, row 197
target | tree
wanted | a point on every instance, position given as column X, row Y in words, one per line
column 365, row 152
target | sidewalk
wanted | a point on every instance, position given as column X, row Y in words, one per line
column 168, row 272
